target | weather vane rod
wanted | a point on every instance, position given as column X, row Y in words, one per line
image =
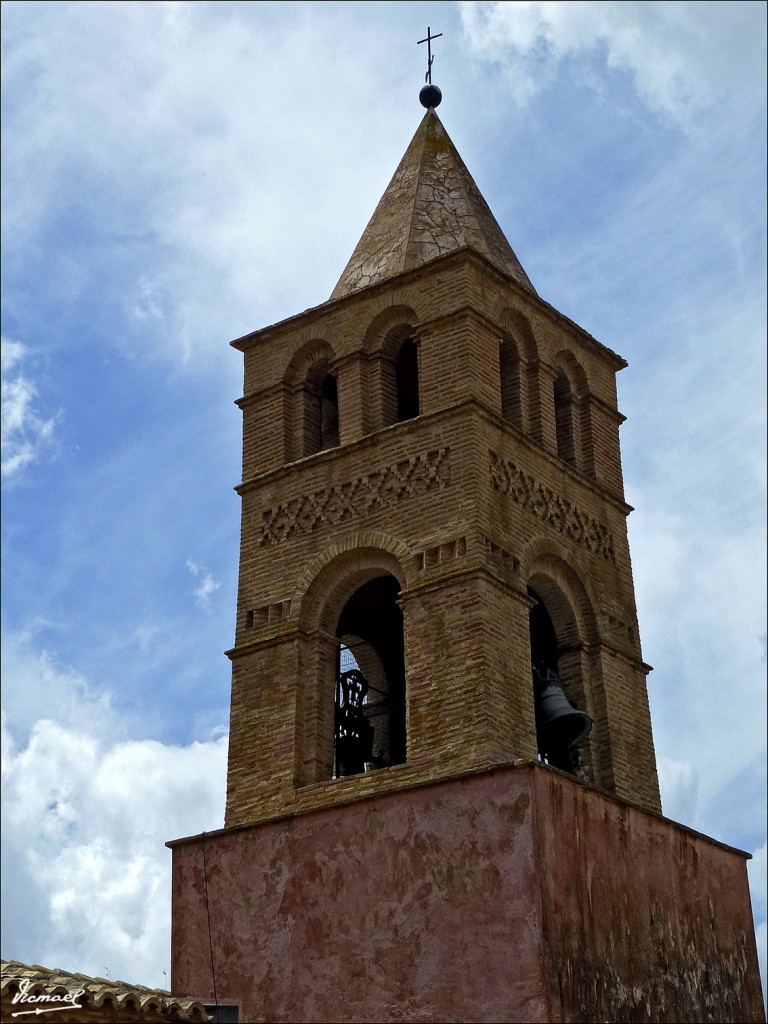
column 428, row 40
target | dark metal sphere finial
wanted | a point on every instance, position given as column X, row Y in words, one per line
column 430, row 96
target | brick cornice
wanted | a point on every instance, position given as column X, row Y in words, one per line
column 458, row 257
column 272, row 476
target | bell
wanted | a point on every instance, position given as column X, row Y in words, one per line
column 353, row 731
column 559, row 725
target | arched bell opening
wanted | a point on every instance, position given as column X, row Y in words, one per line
column 311, row 401
column 369, row 710
column 561, row 727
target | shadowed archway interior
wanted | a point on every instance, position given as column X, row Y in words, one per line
column 560, row 726
column 369, row 728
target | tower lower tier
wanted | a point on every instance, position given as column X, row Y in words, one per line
column 515, row 894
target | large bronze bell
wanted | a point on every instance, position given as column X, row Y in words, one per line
column 559, row 725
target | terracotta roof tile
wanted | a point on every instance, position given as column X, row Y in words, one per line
column 118, row 998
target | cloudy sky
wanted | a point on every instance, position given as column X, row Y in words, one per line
column 178, row 174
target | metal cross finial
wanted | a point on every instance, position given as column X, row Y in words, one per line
column 430, row 58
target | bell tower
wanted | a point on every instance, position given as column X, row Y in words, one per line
column 440, row 740
column 432, row 485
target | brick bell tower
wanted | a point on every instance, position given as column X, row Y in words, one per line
column 433, row 533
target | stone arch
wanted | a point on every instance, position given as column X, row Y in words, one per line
column 545, row 557
column 331, row 577
column 309, row 352
column 567, row 601
column 400, row 318
column 349, row 597
column 566, row 361
column 515, row 323
column 311, row 385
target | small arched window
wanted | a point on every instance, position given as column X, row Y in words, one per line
column 398, row 361
column 329, row 413
column 564, row 428
column 511, row 384
column 320, row 398
column 407, row 381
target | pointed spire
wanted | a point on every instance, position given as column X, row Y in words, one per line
column 431, row 206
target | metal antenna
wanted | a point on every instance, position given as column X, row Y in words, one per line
column 428, row 40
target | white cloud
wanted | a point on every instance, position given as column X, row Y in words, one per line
column 761, row 938
column 86, row 811
column 84, row 822
column 206, row 587
column 148, row 304
column 38, row 686
column 758, row 882
column 25, row 432
column 679, row 785
column 678, row 55
column 700, row 605
column 167, row 128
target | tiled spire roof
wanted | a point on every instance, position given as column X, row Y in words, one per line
column 431, row 206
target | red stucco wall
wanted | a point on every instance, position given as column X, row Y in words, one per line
column 644, row 920
column 510, row 895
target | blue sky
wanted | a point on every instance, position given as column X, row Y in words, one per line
column 178, row 174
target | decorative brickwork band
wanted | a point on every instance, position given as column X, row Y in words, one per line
column 551, row 508
column 382, row 488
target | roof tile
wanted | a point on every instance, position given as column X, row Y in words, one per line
column 124, row 1001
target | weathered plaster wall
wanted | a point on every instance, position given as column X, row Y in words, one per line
column 416, row 906
column 643, row 920
column 510, row 895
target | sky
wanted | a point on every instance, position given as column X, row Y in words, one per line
column 178, row 174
